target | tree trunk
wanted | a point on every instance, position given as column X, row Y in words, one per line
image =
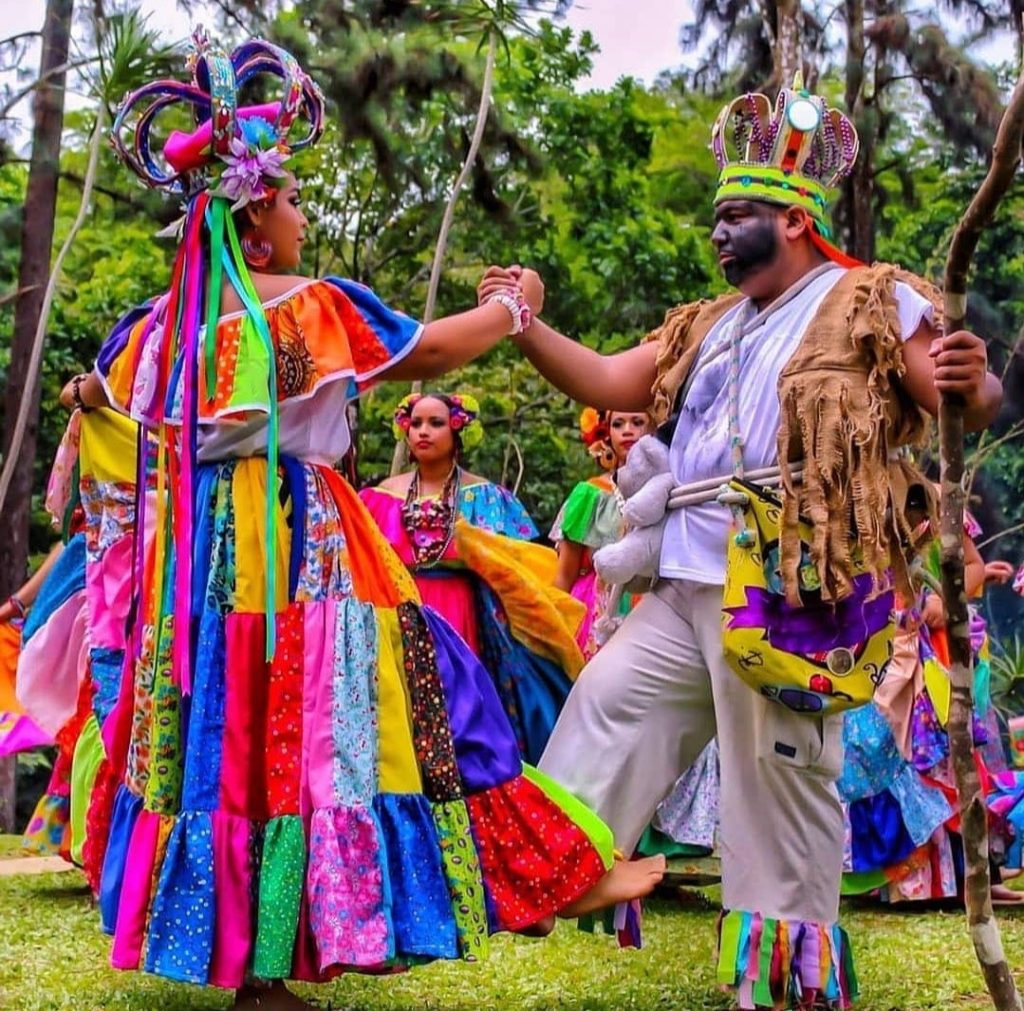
column 36, row 242
column 984, row 928
column 34, row 269
column 860, row 186
column 787, row 51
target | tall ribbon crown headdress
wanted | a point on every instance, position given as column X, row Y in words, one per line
column 791, row 155
column 231, row 147
column 233, row 156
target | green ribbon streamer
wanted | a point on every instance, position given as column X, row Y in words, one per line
column 256, row 320
column 763, row 986
column 215, row 221
column 852, row 983
column 728, row 949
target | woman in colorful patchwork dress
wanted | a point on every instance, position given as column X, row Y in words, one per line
column 54, row 685
column 591, row 517
column 897, row 786
column 316, row 774
column 466, row 542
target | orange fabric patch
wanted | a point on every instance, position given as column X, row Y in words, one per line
column 378, row 575
column 10, row 647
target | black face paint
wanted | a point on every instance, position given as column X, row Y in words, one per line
column 750, row 240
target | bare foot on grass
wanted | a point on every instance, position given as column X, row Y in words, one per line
column 627, row 880
column 1003, row 896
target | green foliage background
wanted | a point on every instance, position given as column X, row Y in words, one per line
column 607, row 193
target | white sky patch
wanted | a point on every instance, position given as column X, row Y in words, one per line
column 639, row 38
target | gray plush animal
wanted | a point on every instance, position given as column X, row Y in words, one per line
column 645, row 483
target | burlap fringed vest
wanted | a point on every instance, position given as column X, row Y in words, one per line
column 843, row 415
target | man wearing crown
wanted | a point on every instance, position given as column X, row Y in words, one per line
column 819, row 364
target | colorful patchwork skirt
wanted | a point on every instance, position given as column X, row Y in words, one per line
column 891, row 811
column 356, row 803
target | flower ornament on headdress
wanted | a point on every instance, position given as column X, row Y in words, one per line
column 596, row 433
column 791, row 155
column 463, row 416
column 256, row 157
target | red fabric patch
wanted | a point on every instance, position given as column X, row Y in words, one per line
column 243, row 784
column 97, row 823
column 284, row 715
column 535, row 859
column 368, row 353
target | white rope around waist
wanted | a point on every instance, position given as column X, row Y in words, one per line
column 716, row 489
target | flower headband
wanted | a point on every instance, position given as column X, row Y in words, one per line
column 596, row 433
column 593, row 425
column 463, row 415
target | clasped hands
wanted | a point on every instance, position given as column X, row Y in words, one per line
column 499, row 281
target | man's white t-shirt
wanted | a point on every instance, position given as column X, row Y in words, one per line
column 696, row 537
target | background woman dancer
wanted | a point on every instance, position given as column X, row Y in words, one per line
column 493, row 588
column 591, row 516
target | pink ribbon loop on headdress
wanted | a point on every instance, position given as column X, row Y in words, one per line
column 185, row 152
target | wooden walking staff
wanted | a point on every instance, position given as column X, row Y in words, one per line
column 988, row 945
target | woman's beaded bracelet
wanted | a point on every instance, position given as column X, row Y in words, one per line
column 513, row 300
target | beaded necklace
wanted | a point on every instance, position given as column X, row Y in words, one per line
column 430, row 522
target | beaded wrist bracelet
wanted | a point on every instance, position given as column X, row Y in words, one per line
column 518, row 309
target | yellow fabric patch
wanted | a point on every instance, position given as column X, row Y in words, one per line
column 85, row 764
column 399, row 770
column 752, row 610
column 541, row 617
column 107, row 446
column 936, row 682
column 248, row 492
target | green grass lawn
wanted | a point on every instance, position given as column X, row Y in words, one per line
column 53, row 957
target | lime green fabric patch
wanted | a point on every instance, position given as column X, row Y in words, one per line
column 465, row 880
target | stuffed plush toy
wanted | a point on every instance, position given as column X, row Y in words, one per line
column 645, row 483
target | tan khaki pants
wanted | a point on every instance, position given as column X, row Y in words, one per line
column 640, row 714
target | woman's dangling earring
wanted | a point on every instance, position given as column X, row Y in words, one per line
column 606, row 457
column 256, row 250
